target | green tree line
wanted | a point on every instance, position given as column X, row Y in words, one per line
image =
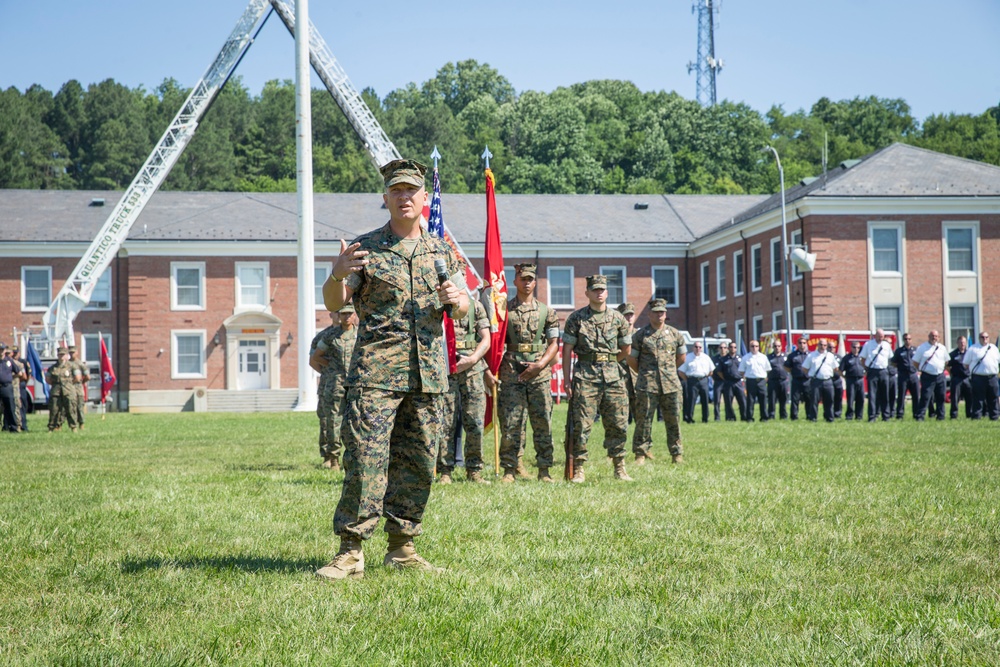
column 594, row 137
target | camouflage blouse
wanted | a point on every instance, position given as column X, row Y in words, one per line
column 656, row 352
column 399, row 345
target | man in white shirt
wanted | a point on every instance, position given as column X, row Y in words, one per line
column 694, row 373
column 875, row 355
column 983, row 362
column 754, row 367
column 820, row 366
column 930, row 360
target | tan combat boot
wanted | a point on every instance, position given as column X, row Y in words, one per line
column 445, row 478
column 328, row 461
column 578, row 477
column 522, row 472
column 476, row 477
column 349, row 563
column 508, row 476
column 640, row 459
column 678, row 458
column 402, row 556
column 620, row 473
column 649, row 456
column 544, row 476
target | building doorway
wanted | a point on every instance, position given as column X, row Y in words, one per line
column 252, row 372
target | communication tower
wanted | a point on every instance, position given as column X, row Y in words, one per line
column 705, row 65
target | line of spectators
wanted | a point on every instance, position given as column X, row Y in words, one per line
column 776, row 384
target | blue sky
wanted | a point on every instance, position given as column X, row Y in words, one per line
column 940, row 57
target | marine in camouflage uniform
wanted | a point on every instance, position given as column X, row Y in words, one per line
column 81, row 375
column 60, row 379
column 657, row 350
column 532, row 342
column 628, row 310
column 18, row 379
column 465, row 400
column 598, row 335
column 397, row 376
column 331, row 357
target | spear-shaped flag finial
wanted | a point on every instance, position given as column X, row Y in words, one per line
column 435, row 156
column 486, row 156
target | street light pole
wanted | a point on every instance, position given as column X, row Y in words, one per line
column 784, row 253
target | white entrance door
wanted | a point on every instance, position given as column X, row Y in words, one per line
column 251, row 372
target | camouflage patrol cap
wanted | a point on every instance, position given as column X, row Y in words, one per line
column 71, row 348
column 626, row 308
column 403, row 171
column 657, row 305
column 346, row 308
column 62, row 352
column 597, row 282
column 526, row 270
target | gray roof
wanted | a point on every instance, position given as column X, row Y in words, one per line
column 898, row 170
column 65, row 215
column 895, row 171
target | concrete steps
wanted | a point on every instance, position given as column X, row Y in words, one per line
column 265, row 400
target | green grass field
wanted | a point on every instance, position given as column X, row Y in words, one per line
column 192, row 539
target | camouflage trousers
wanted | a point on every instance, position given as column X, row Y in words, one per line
column 389, row 445
column 670, row 407
column 516, row 400
column 330, row 410
column 464, row 403
column 610, row 401
column 62, row 407
column 79, row 406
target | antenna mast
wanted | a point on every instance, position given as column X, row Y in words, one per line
column 705, row 65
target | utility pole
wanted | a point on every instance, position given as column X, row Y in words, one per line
column 705, row 64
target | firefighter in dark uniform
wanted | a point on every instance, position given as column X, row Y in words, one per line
column 906, row 378
column 961, row 383
column 854, row 378
column 800, row 379
column 777, row 381
column 731, row 387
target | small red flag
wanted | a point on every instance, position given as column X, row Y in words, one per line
column 495, row 293
column 108, row 378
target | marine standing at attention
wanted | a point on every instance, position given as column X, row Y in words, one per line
column 398, row 373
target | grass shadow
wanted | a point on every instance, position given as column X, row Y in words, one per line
column 221, row 564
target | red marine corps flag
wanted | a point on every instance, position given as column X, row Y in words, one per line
column 108, row 378
column 494, row 295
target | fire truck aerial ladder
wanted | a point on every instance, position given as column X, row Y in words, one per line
column 76, row 292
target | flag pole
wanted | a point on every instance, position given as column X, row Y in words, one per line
column 496, row 434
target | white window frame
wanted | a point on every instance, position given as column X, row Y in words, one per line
column 897, row 227
column 795, row 240
column 240, row 306
column 509, row 273
column 200, row 267
column 604, row 272
column 175, row 374
column 327, row 269
column 104, row 276
column 975, row 317
column 722, row 329
column 899, row 313
column 777, row 320
column 756, row 268
column 757, row 327
column 674, row 279
column 706, row 332
column 48, row 301
column 739, row 331
column 973, row 226
column 720, row 278
column 572, row 291
column 798, row 315
column 704, row 283
column 737, row 270
column 777, row 278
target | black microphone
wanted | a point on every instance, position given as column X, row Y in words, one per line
column 442, row 270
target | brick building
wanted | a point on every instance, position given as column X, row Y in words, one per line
column 200, row 305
